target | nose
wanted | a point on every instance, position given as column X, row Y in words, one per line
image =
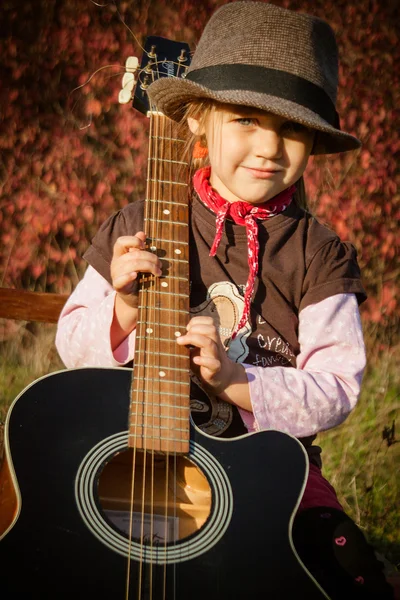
column 269, row 143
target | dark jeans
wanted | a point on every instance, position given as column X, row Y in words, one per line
column 337, row 554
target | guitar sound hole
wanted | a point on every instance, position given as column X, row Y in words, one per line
column 172, row 496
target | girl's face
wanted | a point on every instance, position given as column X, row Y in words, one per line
column 254, row 155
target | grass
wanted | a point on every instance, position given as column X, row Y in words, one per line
column 29, row 354
column 361, row 457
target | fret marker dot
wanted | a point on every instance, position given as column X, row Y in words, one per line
column 153, row 248
column 149, row 330
column 177, row 334
column 162, row 373
column 177, row 251
column 164, row 284
column 166, row 211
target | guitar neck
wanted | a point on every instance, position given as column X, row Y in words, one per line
column 160, row 399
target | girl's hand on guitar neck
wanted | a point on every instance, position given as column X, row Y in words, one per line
column 219, row 375
column 129, row 259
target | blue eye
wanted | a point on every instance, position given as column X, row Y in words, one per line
column 246, row 121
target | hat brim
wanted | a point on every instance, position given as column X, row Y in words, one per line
column 171, row 97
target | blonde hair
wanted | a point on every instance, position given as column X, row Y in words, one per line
column 201, row 110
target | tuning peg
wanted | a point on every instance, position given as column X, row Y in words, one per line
column 128, row 81
column 131, row 64
column 145, row 83
column 182, row 58
column 124, row 96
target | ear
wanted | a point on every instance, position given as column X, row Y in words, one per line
column 194, row 125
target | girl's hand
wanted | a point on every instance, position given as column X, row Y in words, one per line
column 130, row 258
column 209, row 359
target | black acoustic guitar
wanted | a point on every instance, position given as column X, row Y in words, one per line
column 109, row 491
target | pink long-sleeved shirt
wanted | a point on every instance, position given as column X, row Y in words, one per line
column 317, row 395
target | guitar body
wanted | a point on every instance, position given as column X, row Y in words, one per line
column 60, row 433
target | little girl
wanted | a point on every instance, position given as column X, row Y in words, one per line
column 275, row 330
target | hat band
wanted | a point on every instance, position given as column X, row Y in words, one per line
column 268, row 81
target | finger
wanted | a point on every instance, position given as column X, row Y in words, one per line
column 206, row 362
column 206, row 330
column 205, row 343
column 121, row 282
column 202, row 320
column 126, row 242
column 137, row 261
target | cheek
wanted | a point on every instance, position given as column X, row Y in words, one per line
column 222, row 153
column 298, row 154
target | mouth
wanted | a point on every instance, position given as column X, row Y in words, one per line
column 262, row 173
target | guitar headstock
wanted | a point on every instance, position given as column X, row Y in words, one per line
column 161, row 58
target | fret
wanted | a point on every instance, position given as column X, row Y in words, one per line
column 167, row 211
column 178, row 261
column 167, row 160
column 166, row 293
column 158, row 200
column 157, row 289
column 171, row 340
column 181, row 413
column 164, row 363
column 162, row 380
column 144, row 426
column 163, row 240
column 163, row 304
column 168, row 222
column 159, row 339
column 147, row 322
column 168, row 259
column 148, row 367
column 158, row 416
column 157, row 437
column 160, row 299
column 174, row 310
column 169, row 182
column 169, row 354
column 164, row 278
column 175, row 260
column 162, row 404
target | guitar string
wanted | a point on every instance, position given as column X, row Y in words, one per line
column 156, row 339
column 148, row 281
column 137, row 395
column 149, row 309
column 175, row 454
column 153, row 339
column 183, row 174
column 150, row 299
column 164, row 152
column 168, row 421
column 174, row 269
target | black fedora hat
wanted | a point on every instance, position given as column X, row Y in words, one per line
column 258, row 54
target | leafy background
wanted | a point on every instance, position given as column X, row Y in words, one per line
column 70, row 155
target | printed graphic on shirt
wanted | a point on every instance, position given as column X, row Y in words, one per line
column 263, row 348
column 224, row 304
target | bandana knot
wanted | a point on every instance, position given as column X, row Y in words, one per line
column 245, row 214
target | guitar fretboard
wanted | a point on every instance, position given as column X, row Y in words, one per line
column 159, row 415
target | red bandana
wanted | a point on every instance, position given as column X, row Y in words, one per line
column 242, row 213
